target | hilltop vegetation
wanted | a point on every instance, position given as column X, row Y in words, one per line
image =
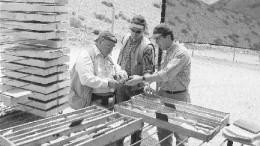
column 192, row 21
column 97, row 15
column 195, row 21
column 247, row 7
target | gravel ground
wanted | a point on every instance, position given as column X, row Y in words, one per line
column 227, row 86
column 221, row 85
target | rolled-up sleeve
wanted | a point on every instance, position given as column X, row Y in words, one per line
column 84, row 66
column 174, row 66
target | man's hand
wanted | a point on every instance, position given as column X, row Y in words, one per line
column 122, row 75
column 113, row 83
column 122, row 78
column 148, row 90
column 135, row 79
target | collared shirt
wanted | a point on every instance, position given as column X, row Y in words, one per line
column 175, row 71
column 96, row 77
column 129, row 52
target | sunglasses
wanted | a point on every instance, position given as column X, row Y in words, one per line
column 110, row 39
column 135, row 31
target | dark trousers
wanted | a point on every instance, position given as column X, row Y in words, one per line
column 162, row 133
column 124, row 93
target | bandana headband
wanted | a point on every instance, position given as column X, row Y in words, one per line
column 136, row 26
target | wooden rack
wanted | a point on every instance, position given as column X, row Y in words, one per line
column 186, row 119
column 89, row 126
column 34, row 70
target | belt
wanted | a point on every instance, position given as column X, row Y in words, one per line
column 96, row 96
column 174, row 92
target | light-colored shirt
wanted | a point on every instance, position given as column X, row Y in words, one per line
column 175, row 71
column 96, row 73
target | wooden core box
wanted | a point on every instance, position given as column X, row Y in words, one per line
column 34, row 71
column 187, row 119
column 92, row 126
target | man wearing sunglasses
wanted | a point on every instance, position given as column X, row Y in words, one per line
column 136, row 58
column 173, row 79
column 92, row 76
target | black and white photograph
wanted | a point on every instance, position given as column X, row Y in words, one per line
column 129, row 72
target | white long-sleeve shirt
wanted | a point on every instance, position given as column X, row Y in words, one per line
column 176, row 67
column 96, row 73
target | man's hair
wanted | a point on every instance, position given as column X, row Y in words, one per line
column 107, row 35
column 164, row 30
column 168, row 33
column 139, row 20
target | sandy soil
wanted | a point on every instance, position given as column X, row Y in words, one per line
column 226, row 86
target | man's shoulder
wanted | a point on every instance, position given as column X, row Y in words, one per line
column 149, row 48
column 147, row 44
column 181, row 47
column 125, row 38
column 89, row 51
column 181, row 50
column 147, row 40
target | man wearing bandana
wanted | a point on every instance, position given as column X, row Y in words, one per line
column 136, row 58
column 173, row 78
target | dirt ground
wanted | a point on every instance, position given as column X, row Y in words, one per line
column 222, row 85
column 226, row 86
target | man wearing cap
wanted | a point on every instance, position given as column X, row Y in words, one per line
column 173, row 79
column 92, row 76
column 136, row 57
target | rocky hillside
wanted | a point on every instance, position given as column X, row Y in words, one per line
column 96, row 15
column 247, row 7
column 192, row 20
column 195, row 21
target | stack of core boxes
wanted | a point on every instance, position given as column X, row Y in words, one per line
column 35, row 76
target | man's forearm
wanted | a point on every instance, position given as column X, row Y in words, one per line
column 152, row 77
